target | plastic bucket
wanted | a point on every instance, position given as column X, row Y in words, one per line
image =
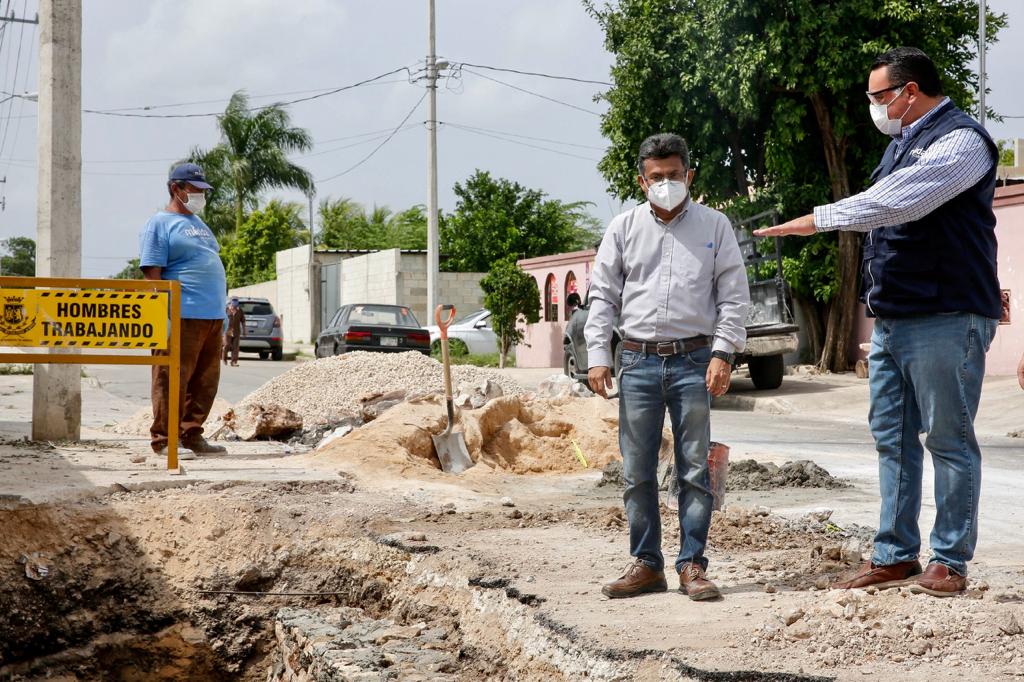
column 718, row 471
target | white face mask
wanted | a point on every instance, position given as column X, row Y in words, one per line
column 880, row 116
column 667, row 194
column 196, row 202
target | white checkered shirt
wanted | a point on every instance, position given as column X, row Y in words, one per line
column 953, row 164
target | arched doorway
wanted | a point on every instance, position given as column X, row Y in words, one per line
column 551, row 299
column 570, row 289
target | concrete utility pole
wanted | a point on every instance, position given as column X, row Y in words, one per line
column 433, row 244
column 313, row 281
column 981, row 62
column 57, row 389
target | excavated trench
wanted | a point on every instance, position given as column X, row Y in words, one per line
column 276, row 582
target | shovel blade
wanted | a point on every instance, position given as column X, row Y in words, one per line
column 452, row 452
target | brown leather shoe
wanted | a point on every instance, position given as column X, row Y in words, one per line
column 938, row 580
column 693, row 583
column 200, row 445
column 638, row 579
column 881, row 577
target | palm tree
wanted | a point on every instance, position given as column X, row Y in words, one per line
column 251, row 157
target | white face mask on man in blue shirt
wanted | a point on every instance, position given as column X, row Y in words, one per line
column 667, row 194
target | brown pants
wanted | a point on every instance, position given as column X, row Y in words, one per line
column 201, row 343
column 232, row 346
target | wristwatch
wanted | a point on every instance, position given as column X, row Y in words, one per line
column 722, row 355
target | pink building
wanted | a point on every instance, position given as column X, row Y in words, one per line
column 1009, row 342
column 557, row 276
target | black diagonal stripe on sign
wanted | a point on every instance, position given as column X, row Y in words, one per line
column 86, row 294
column 101, row 295
column 45, row 294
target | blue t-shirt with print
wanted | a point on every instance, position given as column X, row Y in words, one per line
column 186, row 250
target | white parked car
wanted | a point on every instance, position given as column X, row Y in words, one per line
column 472, row 331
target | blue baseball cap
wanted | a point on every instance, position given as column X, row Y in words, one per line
column 190, row 173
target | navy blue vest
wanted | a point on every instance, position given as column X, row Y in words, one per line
column 946, row 261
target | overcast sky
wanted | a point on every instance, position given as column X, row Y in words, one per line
column 158, row 52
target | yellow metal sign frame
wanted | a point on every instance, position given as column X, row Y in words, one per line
column 168, row 288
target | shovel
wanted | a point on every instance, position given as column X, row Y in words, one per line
column 450, row 446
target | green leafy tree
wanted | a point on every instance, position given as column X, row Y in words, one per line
column 511, row 295
column 252, row 157
column 249, row 254
column 1006, row 153
column 770, row 97
column 20, row 260
column 346, row 225
column 495, row 218
column 130, row 271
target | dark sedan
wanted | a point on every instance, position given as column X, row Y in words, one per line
column 374, row 327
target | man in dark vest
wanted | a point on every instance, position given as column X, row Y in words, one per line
column 929, row 280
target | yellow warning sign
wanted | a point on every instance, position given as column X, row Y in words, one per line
column 83, row 318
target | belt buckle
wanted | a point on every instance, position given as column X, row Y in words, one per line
column 671, row 349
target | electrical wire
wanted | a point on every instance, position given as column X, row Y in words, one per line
column 21, row 101
column 536, row 73
column 527, row 137
column 151, row 107
column 535, row 94
column 523, row 144
column 378, row 147
column 124, row 114
column 14, row 83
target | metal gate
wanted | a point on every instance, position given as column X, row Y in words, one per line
column 330, row 292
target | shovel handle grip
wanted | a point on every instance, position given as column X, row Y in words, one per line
column 442, row 324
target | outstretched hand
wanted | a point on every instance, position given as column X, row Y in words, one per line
column 802, row 226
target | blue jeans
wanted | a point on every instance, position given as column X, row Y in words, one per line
column 649, row 384
column 926, row 375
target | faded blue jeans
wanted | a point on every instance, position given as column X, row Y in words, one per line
column 926, row 375
column 649, row 384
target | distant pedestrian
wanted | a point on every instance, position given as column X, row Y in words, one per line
column 930, row 282
column 669, row 273
column 235, row 320
column 177, row 244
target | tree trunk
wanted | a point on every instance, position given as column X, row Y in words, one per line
column 812, row 324
column 502, row 351
column 843, row 307
column 739, row 169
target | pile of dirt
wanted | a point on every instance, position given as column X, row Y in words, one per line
column 329, row 389
column 511, row 433
column 749, row 474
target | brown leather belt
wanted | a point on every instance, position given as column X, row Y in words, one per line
column 663, row 349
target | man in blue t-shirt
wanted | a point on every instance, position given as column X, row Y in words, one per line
column 177, row 244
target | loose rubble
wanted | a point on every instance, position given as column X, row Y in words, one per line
column 329, row 389
column 749, row 474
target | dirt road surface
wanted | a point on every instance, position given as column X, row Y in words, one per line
column 363, row 561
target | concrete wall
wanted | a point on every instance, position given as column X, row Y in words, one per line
column 401, row 279
column 267, row 290
column 292, row 302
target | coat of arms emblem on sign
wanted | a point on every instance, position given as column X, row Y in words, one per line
column 15, row 320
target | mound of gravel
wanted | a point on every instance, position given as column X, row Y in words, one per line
column 326, row 390
column 749, row 474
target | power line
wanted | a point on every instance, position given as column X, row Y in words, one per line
column 123, row 114
column 527, row 137
column 378, row 147
column 151, row 107
column 536, row 73
column 523, row 144
column 21, row 102
column 535, row 94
